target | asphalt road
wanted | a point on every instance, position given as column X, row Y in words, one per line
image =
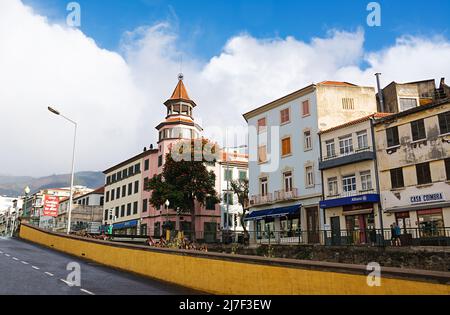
column 28, row 269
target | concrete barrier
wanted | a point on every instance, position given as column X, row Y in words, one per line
column 235, row 274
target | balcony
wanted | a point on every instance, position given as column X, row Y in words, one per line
column 340, row 159
column 283, row 195
column 258, row 200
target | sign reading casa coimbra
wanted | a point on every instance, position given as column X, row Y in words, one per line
column 51, row 204
column 427, row 198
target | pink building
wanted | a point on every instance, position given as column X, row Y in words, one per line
column 179, row 125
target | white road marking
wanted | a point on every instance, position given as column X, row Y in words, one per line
column 34, row 267
column 49, row 274
column 67, row 282
column 86, row 291
column 7, row 255
column 24, row 262
column 15, row 258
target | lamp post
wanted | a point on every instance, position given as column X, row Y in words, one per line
column 54, row 111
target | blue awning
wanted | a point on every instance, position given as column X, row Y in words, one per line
column 272, row 213
column 124, row 225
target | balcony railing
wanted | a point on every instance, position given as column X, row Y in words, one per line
column 353, row 156
column 353, row 193
column 281, row 195
column 261, row 199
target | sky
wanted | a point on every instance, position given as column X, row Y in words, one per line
column 113, row 72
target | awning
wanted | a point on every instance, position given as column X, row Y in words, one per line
column 124, row 225
column 272, row 213
column 424, row 206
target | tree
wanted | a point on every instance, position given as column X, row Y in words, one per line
column 185, row 181
column 240, row 188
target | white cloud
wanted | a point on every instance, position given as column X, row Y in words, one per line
column 117, row 97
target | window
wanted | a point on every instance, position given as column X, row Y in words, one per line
column 130, row 171
column 128, row 209
column 444, row 122
column 307, row 140
column 392, row 137
column 309, row 176
column 363, row 142
column 407, row 103
column 331, row 150
column 286, row 146
column 287, row 181
column 332, row 186
column 284, row 116
column 118, row 193
column 119, row 176
column 160, row 161
column 105, row 217
column 210, row 203
column 107, row 196
column 146, row 165
column 349, row 183
column 102, row 200
column 262, row 125
column 145, row 205
column 447, row 168
column 136, row 187
column 137, row 168
column 113, row 178
column 124, row 190
column 397, row 178
column 228, row 198
column 108, row 180
column 366, row 181
column 112, row 194
column 263, row 186
column 228, row 175
column 423, row 173
column 130, row 189
column 122, row 211
column 346, row 145
column 262, row 154
column 418, row 130
column 348, row 103
column 135, row 207
column 125, row 173
column 305, row 108
column 117, row 212
column 242, row 175
column 146, row 181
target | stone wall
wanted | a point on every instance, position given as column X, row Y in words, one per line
column 426, row 258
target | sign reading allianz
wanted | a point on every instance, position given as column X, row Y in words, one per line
column 427, row 198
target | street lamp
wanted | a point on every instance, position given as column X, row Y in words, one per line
column 54, row 111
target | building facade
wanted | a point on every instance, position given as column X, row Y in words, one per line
column 86, row 214
column 413, row 151
column 351, row 199
column 285, row 181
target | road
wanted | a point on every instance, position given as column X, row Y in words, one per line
column 28, row 269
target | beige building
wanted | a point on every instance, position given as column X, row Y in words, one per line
column 350, row 187
column 123, row 194
column 413, row 156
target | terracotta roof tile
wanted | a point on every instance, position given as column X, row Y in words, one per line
column 180, row 92
column 336, row 83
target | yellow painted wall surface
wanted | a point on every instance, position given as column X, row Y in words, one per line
column 226, row 277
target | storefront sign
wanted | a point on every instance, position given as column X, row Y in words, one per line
column 427, row 197
column 51, row 204
column 336, row 202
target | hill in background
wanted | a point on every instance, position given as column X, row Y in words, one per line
column 13, row 186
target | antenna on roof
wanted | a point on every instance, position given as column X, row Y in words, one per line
column 180, row 75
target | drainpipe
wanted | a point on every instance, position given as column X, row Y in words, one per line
column 380, row 92
column 377, row 180
column 322, row 211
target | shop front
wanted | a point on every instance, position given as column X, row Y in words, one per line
column 126, row 228
column 351, row 220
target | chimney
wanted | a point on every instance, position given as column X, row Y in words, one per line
column 442, row 83
column 380, row 92
column 151, row 146
column 145, row 149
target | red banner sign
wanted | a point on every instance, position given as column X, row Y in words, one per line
column 51, row 205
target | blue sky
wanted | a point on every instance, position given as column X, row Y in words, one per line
column 204, row 26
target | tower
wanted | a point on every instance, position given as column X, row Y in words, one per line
column 179, row 123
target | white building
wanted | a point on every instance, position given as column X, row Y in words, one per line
column 10, row 209
column 285, row 182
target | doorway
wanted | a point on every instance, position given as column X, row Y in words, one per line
column 312, row 224
column 335, row 230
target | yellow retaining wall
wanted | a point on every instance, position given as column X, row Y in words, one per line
column 222, row 276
